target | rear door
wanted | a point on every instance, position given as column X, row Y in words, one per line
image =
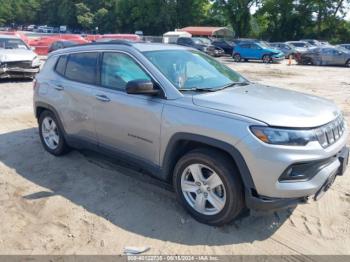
column 72, row 97
column 128, row 124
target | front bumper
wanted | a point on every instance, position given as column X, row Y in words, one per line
column 256, row 202
column 277, row 58
column 6, row 72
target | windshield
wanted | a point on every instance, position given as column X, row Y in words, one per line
column 343, row 49
column 189, row 70
column 300, row 44
column 205, row 41
column 9, row 43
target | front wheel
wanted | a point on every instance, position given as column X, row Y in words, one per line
column 208, row 185
column 266, row 59
column 348, row 63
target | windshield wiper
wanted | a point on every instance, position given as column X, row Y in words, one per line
column 198, row 89
column 213, row 89
column 233, row 84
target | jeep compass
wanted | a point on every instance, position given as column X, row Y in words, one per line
column 223, row 142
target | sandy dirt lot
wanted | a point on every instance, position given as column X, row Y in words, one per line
column 85, row 204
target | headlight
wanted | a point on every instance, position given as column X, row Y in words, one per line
column 3, row 58
column 280, row 136
column 36, row 62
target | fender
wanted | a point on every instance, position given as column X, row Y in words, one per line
column 53, row 110
column 230, row 149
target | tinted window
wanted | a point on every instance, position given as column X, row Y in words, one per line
column 118, row 69
column 82, row 67
column 245, row 46
column 255, row 47
column 61, row 65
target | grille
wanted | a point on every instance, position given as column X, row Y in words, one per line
column 19, row 64
column 331, row 133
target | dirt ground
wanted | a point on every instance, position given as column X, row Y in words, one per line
column 85, row 204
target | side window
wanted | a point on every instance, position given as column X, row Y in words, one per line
column 256, row 47
column 61, row 65
column 118, row 69
column 245, row 46
column 82, row 67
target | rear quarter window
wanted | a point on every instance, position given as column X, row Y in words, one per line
column 61, row 65
column 82, row 67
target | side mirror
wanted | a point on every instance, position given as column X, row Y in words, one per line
column 141, row 87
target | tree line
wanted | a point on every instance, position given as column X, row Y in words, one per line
column 273, row 20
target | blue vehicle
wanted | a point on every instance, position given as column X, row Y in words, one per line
column 256, row 51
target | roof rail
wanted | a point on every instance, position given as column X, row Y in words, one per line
column 113, row 42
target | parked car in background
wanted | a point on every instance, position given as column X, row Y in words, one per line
column 17, row 60
column 224, row 144
column 197, row 43
column 218, row 50
column 61, row 44
column 300, row 45
column 256, row 51
column 347, row 46
column 287, row 49
column 312, row 42
column 326, row 55
column 223, row 44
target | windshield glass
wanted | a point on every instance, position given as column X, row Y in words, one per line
column 9, row 43
column 188, row 69
column 205, row 40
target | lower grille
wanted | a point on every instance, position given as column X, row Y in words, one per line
column 19, row 64
column 331, row 133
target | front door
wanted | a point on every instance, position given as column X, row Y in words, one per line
column 126, row 123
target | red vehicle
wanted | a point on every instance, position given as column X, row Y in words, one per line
column 92, row 38
column 130, row 37
column 42, row 44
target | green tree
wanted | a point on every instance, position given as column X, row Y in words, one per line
column 84, row 16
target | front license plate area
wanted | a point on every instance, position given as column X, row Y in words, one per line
column 344, row 161
column 325, row 187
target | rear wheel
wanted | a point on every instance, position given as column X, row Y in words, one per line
column 237, row 57
column 51, row 134
column 208, row 185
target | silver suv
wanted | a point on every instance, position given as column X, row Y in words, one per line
column 225, row 143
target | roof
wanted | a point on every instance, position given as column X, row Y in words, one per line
column 121, row 44
column 202, row 30
column 177, row 33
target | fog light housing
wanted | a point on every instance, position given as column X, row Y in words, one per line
column 300, row 172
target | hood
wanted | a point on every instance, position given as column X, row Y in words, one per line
column 14, row 55
column 301, row 49
column 273, row 50
column 271, row 105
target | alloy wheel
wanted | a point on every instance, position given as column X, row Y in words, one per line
column 50, row 133
column 203, row 189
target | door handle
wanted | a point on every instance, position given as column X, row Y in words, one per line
column 103, row 98
column 57, row 86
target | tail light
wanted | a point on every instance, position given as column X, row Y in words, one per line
column 35, row 84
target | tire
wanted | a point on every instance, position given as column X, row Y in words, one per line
column 266, row 59
column 347, row 64
column 51, row 134
column 237, row 58
column 226, row 193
